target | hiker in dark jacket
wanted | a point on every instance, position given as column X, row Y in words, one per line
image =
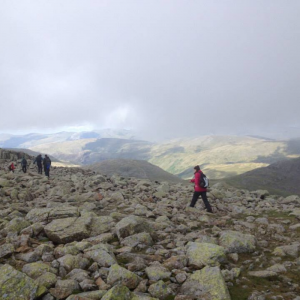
column 47, row 164
column 24, row 164
column 199, row 191
column 38, row 160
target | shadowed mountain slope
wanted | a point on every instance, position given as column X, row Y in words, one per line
column 218, row 156
column 279, row 178
column 133, row 168
column 31, row 153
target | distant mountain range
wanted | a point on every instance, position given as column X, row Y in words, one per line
column 133, row 168
column 278, row 178
column 218, row 156
column 34, row 139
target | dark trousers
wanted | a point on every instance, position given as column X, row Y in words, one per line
column 204, row 198
column 40, row 169
column 47, row 172
column 24, row 168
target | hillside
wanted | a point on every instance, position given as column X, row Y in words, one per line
column 279, row 178
column 219, row 156
column 89, row 151
column 9, row 154
column 82, row 235
column 32, row 153
column 133, row 168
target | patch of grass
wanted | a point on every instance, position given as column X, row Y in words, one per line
column 171, row 297
column 43, row 240
column 230, row 222
column 278, row 214
column 238, row 293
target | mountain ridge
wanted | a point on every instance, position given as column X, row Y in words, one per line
column 282, row 177
column 219, row 156
column 133, row 168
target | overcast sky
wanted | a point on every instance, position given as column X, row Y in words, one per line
column 164, row 68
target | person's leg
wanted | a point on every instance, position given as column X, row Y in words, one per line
column 194, row 199
column 206, row 203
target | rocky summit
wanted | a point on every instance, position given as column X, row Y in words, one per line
column 82, row 235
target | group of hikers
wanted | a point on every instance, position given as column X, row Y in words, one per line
column 46, row 162
column 200, row 186
column 39, row 160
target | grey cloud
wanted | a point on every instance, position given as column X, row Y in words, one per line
column 165, row 68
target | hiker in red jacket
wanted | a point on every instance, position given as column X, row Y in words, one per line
column 12, row 167
column 199, row 191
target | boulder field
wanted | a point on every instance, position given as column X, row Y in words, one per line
column 82, row 235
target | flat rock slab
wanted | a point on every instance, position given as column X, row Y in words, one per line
column 16, row 285
column 296, row 213
column 203, row 254
column 119, row 275
column 132, row 225
column 67, row 230
column 237, row 242
column 207, row 283
column 101, row 256
column 49, row 214
column 157, row 272
column 118, row 292
column 101, row 225
column 263, row 274
column 6, row 250
column 139, row 238
column 36, row 269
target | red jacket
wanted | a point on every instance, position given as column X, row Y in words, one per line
column 196, row 180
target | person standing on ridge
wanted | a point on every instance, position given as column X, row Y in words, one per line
column 38, row 160
column 199, row 191
column 24, row 164
column 47, row 164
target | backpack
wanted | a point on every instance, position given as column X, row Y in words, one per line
column 204, row 182
column 47, row 162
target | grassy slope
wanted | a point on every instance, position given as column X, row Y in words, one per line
column 66, row 151
column 278, row 178
column 133, row 168
column 219, row 156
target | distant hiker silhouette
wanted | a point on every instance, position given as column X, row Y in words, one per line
column 24, row 164
column 199, row 190
column 38, row 160
column 47, row 164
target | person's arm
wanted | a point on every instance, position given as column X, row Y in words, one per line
column 193, row 180
column 196, row 180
